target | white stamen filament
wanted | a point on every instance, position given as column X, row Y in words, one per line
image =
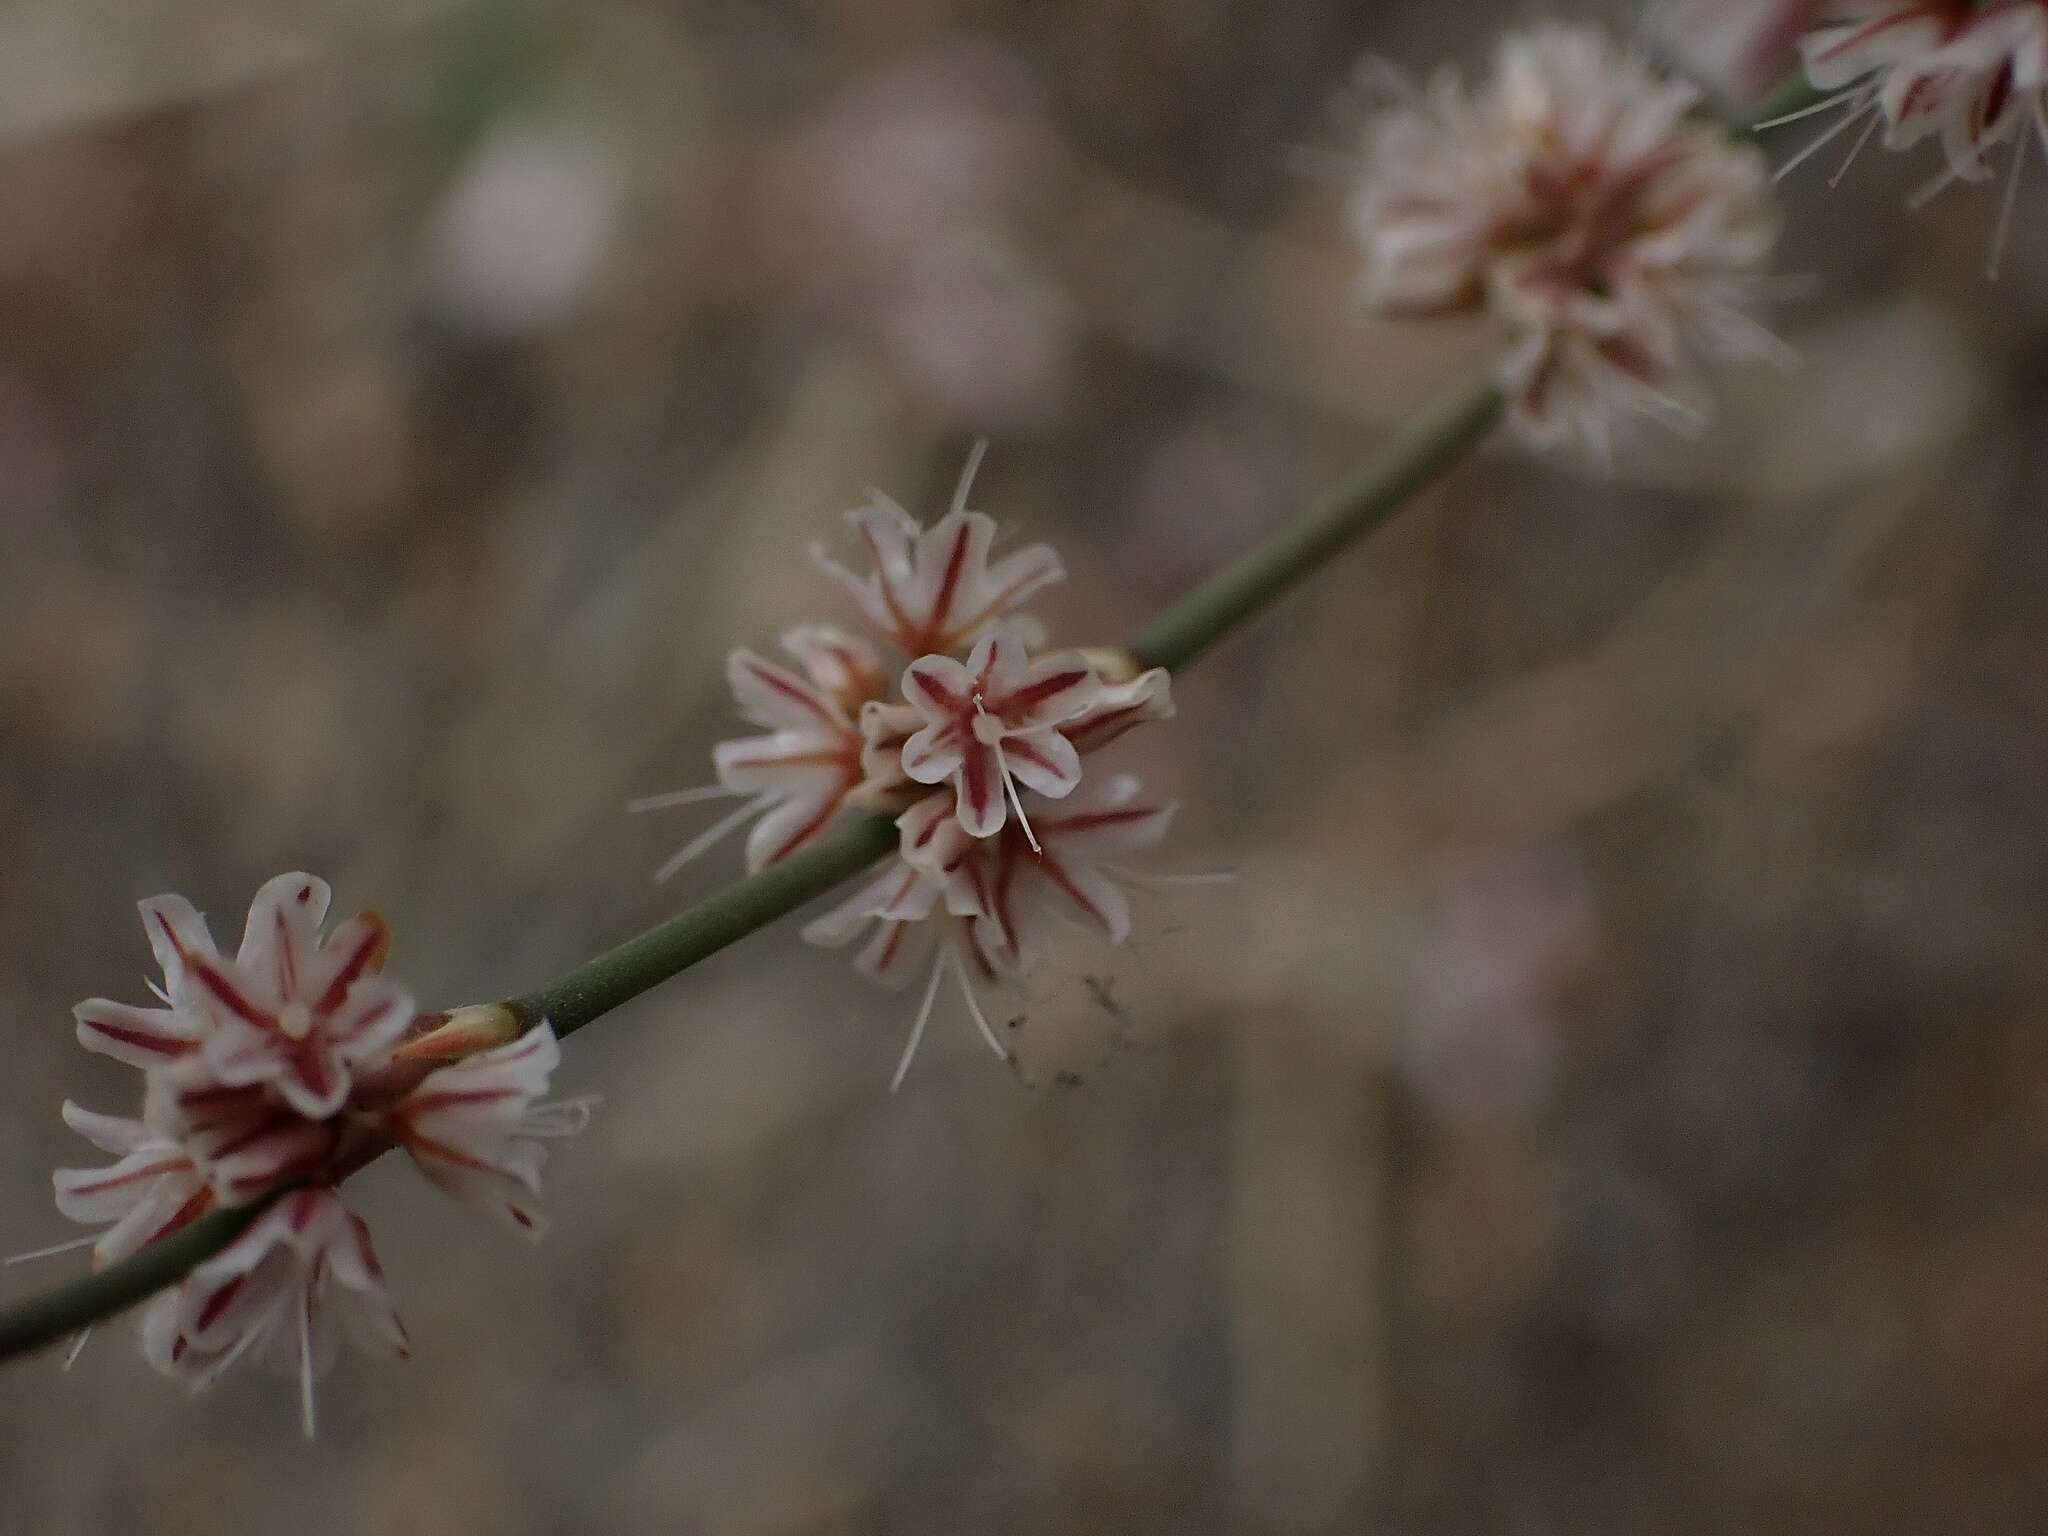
column 305, row 1310
column 1849, row 120
column 974, row 456
column 677, row 797
column 77, row 1347
column 711, row 836
column 1863, row 138
column 1816, row 108
column 994, row 738
column 69, row 1245
column 924, row 1017
column 2003, row 231
column 952, row 953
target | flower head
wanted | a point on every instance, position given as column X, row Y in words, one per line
column 278, row 1289
column 937, row 589
column 993, row 722
column 290, row 1010
column 1974, row 76
column 1575, row 197
column 270, row 1077
column 478, row 1127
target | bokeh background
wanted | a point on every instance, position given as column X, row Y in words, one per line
column 1611, row 1099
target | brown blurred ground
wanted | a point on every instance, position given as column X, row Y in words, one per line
column 1612, row 1099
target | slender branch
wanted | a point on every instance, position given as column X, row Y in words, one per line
column 641, row 964
column 1421, row 453
column 60, row 1313
column 1425, row 450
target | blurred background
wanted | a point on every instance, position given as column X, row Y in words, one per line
column 1613, row 1095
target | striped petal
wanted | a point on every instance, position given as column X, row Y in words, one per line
column 142, row 1037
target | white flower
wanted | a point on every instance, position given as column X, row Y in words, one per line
column 797, row 776
column 1576, row 197
column 272, row 1076
column 289, row 1010
column 994, row 723
column 154, row 1188
column 1070, row 874
column 936, row 589
column 277, row 1289
column 476, row 1126
column 1974, row 76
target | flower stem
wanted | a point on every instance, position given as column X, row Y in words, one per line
column 640, row 964
column 1426, row 449
column 60, row 1313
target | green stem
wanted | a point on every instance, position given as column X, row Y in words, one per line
column 641, row 964
column 1421, row 453
column 60, row 1313
column 1426, row 449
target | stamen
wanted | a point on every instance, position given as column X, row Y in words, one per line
column 924, row 1017
column 1862, row 139
column 974, row 1003
column 1815, row 109
column 677, row 797
column 710, row 837
column 1009, row 784
column 306, row 1361
column 2003, row 231
column 1933, row 189
column 69, row 1245
column 1850, row 120
column 161, row 995
column 974, row 457
column 77, row 1348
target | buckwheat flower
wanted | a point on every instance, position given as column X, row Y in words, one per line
column 1071, row 872
column 993, row 724
column 1740, row 47
column 1576, row 197
column 289, row 1010
column 928, row 915
column 477, row 1126
column 152, row 1189
column 798, row 775
column 245, row 1139
column 1974, row 76
column 278, row 1289
column 938, row 589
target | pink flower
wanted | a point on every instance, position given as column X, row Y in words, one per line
column 277, row 1289
column 799, row 775
column 476, row 1127
column 1072, row 872
column 154, row 1188
column 994, row 723
column 1575, row 197
column 936, row 589
column 1741, row 47
column 289, row 1010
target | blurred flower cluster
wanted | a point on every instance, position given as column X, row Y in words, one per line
column 978, row 748
column 1577, row 197
column 271, row 1075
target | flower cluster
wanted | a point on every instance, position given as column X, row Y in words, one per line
column 271, row 1075
column 979, row 749
column 1973, row 76
column 1575, row 195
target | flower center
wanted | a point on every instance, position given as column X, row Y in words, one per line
column 296, row 1020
